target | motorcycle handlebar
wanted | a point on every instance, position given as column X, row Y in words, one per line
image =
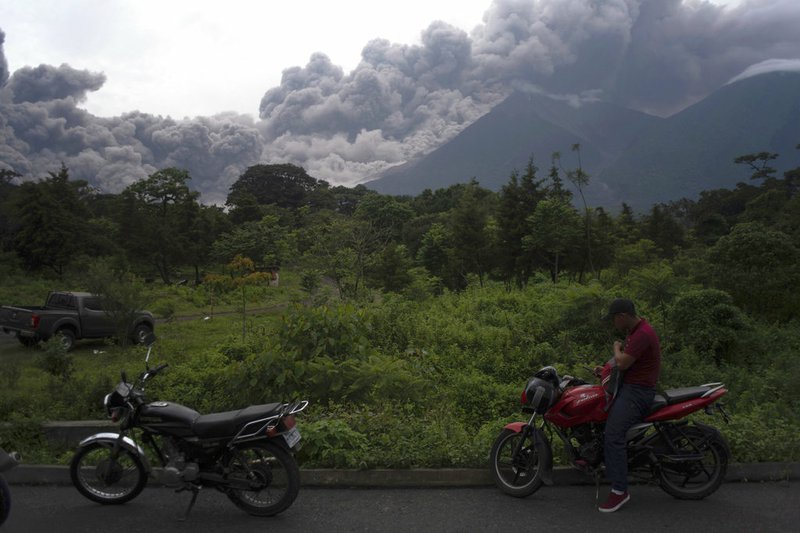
column 153, row 371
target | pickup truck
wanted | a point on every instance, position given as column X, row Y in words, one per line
column 70, row 316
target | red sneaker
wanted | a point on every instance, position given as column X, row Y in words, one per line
column 614, row 502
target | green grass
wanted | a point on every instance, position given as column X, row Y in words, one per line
column 415, row 383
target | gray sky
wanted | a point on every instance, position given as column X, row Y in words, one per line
column 200, row 57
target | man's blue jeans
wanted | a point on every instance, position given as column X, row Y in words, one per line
column 629, row 408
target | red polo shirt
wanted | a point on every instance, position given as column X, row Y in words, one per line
column 642, row 344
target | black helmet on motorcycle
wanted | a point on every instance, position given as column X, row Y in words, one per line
column 541, row 391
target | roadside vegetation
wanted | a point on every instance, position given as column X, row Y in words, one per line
column 411, row 324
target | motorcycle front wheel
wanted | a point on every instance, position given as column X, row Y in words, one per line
column 696, row 467
column 106, row 479
column 5, row 500
column 515, row 464
column 271, row 473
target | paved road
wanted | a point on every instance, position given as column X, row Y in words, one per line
column 761, row 507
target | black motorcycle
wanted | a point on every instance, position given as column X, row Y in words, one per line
column 246, row 454
column 7, row 462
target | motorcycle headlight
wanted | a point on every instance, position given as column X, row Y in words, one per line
column 114, row 402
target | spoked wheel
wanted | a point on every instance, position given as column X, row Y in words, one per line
column 515, row 464
column 271, row 475
column 697, row 467
column 5, row 500
column 106, row 479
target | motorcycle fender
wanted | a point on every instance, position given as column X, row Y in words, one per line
column 711, row 430
column 127, row 443
column 543, row 450
column 516, row 427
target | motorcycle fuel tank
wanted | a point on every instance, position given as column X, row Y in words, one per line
column 168, row 417
column 579, row 405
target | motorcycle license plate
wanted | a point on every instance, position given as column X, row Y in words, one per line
column 292, row 437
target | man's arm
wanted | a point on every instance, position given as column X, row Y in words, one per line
column 623, row 360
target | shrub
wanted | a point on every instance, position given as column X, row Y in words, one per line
column 708, row 321
column 55, row 360
column 164, row 308
column 333, row 443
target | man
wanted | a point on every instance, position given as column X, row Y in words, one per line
column 639, row 357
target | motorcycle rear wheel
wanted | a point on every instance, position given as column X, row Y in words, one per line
column 694, row 480
column 272, row 473
column 518, row 476
column 104, row 479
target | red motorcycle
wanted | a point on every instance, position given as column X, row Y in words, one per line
column 687, row 459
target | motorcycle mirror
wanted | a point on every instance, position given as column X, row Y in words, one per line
column 123, row 376
column 149, row 340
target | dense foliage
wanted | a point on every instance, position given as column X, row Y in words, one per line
column 411, row 323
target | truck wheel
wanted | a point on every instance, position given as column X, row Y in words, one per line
column 67, row 338
column 140, row 332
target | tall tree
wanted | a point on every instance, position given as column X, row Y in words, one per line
column 160, row 216
column 266, row 241
column 660, row 227
column 517, row 201
column 580, row 180
column 204, row 224
column 340, row 248
column 434, row 254
column 7, row 190
column 758, row 266
column 52, row 227
column 555, row 230
column 557, row 189
column 386, row 214
column 471, row 237
column 284, row 185
column 758, row 164
column 604, row 239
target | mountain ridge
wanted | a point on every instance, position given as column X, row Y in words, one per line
column 631, row 157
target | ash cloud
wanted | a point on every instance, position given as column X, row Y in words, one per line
column 3, row 61
column 42, row 125
column 45, row 83
column 403, row 101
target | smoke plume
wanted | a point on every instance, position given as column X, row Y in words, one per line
column 402, row 100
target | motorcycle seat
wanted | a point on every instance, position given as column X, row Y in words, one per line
column 658, row 402
column 228, row 423
column 674, row 396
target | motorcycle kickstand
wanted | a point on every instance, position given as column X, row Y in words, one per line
column 195, row 491
column 597, row 488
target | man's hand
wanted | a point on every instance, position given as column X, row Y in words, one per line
column 618, row 347
column 624, row 361
column 598, row 371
